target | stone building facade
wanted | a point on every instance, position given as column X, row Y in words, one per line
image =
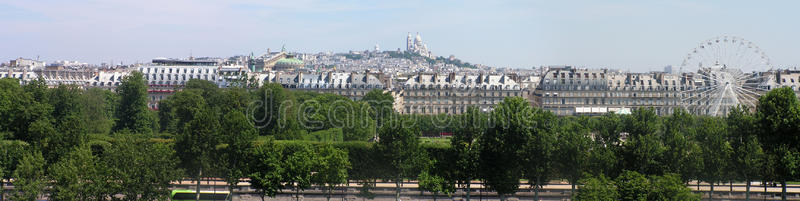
column 572, row 91
column 353, row 85
column 453, row 93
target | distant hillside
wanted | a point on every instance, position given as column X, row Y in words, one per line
column 439, row 59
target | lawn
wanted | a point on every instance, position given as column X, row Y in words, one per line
column 435, row 140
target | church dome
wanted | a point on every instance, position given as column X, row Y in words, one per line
column 289, row 63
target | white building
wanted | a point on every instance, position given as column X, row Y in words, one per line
column 417, row 46
column 166, row 76
column 454, row 93
column 353, row 85
column 26, row 63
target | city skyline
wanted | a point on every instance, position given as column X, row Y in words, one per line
column 627, row 35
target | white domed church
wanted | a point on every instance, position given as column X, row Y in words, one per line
column 415, row 45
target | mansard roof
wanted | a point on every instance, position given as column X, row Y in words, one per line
column 331, row 79
column 462, row 81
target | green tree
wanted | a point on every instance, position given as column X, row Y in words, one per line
column 500, row 166
column 539, row 150
column 2, row 183
column 603, row 160
column 208, row 90
column 78, row 176
column 400, row 148
column 381, row 104
column 632, row 186
column 299, row 162
column 196, row 143
column 670, row 187
column 604, row 156
column 234, row 147
column 643, row 121
column 608, row 128
column 71, row 133
column 34, row 123
column 33, row 120
column 142, row 168
column 167, row 115
column 598, row 188
column 234, row 99
column 368, row 165
column 682, row 154
column 271, row 112
column 331, row 168
column 11, row 153
column 573, row 151
column 13, row 101
column 716, row 151
column 98, row 108
column 779, row 118
column 37, row 89
column 748, row 157
column 29, row 177
column 179, row 109
column 643, row 151
column 434, row 184
column 65, row 100
column 133, row 113
column 268, row 169
column 473, row 124
column 330, row 111
column 39, row 134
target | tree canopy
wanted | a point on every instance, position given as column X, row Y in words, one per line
column 71, row 143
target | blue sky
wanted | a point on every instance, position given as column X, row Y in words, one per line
column 635, row 35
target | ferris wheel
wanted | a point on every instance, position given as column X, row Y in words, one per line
column 724, row 72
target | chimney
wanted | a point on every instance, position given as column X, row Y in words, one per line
column 514, row 77
column 299, row 78
column 451, row 77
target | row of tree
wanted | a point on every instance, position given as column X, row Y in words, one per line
column 61, row 139
column 632, row 185
column 521, row 142
column 288, row 139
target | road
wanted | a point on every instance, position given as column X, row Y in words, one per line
column 556, row 190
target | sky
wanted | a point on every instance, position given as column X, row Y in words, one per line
column 632, row 35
